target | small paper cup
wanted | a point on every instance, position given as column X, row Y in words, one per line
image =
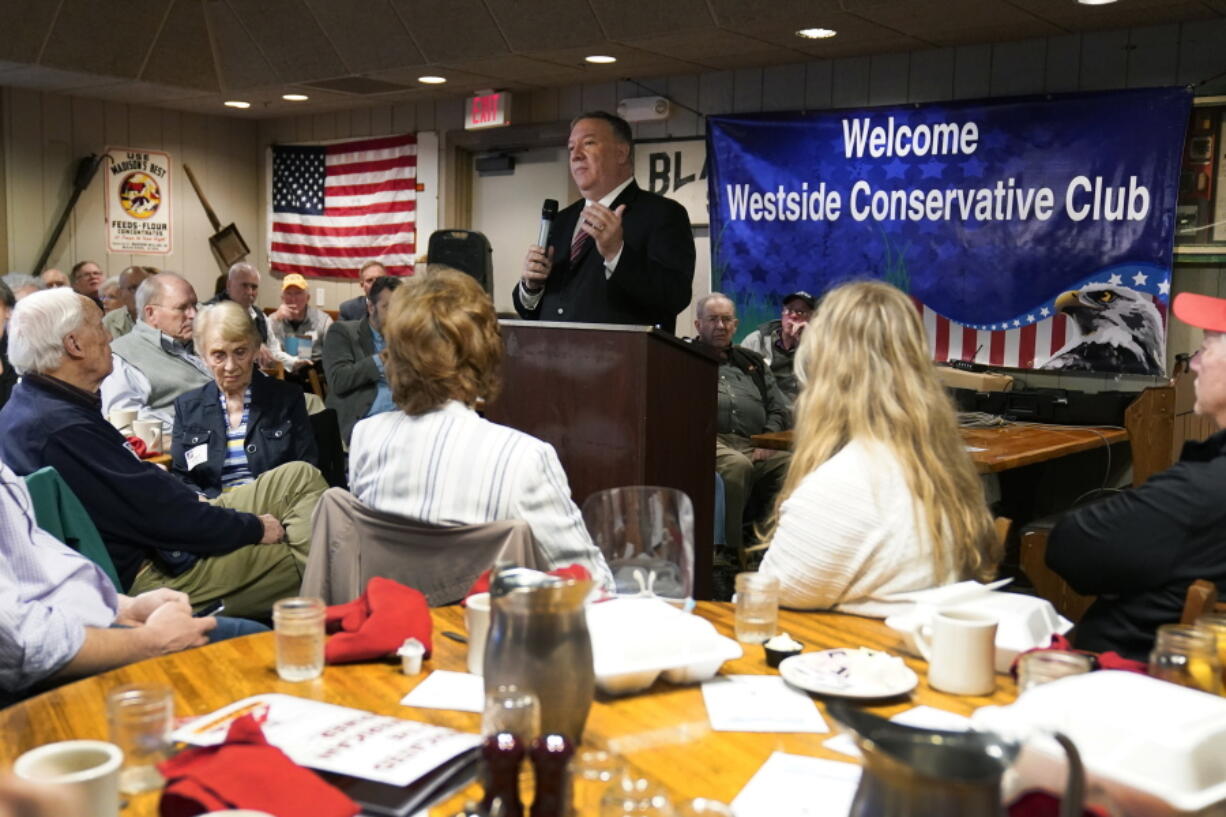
column 775, row 657
column 411, row 653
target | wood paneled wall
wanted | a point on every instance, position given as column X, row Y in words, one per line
column 44, row 136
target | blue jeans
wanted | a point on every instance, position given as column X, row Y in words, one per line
column 233, row 628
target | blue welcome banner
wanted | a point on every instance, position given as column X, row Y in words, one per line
column 1028, row 230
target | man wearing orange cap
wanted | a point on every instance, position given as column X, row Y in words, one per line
column 1139, row 550
column 297, row 329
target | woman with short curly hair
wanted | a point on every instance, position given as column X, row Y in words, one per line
column 438, row 461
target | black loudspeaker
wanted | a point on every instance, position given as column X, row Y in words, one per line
column 467, row 251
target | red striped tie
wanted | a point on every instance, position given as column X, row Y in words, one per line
column 578, row 245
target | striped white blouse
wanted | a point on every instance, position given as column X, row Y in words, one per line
column 452, row 467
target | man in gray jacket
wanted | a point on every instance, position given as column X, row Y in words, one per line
column 357, row 386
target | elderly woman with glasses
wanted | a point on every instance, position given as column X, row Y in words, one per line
column 242, row 424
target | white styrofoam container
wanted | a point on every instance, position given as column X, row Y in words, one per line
column 1023, row 622
column 636, row 640
column 1150, row 748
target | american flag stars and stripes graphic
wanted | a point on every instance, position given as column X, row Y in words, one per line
column 1030, row 340
column 335, row 207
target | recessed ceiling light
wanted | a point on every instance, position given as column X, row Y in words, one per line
column 237, row 103
column 601, row 59
column 816, row 33
column 1095, row 2
column 295, row 97
column 428, row 80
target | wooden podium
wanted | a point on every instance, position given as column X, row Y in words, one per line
column 623, row 405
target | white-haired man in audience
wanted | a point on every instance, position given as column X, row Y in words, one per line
column 155, row 362
column 246, row 547
column 119, row 322
column 22, row 284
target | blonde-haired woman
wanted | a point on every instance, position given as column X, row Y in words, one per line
column 880, row 497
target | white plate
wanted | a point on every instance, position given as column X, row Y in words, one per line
column 848, row 673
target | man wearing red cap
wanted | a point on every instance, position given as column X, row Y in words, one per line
column 1139, row 550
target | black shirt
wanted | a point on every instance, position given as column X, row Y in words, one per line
column 1139, row 550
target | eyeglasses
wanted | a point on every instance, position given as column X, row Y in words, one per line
column 182, row 310
column 797, row 313
column 723, row 320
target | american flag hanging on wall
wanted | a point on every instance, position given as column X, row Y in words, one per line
column 335, row 207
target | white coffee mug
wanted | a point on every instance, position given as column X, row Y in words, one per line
column 150, row 433
column 477, row 620
column 122, row 420
column 960, row 647
column 90, row 768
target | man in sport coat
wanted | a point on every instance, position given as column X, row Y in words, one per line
column 357, row 386
column 618, row 255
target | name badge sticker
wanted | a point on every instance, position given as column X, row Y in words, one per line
column 197, row 455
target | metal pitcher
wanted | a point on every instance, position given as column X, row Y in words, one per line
column 539, row 641
column 913, row 772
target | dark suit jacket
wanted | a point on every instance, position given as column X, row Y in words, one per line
column 353, row 309
column 353, row 377
column 278, row 431
column 260, row 320
column 651, row 283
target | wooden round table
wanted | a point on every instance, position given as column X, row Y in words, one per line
column 663, row 731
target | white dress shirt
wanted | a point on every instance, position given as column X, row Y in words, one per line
column 49, row 593
column 531, row 299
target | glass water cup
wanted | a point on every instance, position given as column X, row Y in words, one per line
column 1187, row 655
column 511, row 709
column 141, row 718
column 1217, row 623
column 635, row 795
column 757, row 607
column 1041, row 666
column 299, row 623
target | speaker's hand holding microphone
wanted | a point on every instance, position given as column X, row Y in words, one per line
column 539, row 261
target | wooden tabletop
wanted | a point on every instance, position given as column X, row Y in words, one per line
column 1005, row 447
column 663, row 731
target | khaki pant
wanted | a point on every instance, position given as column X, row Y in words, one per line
column 746, row 480
column 252, row 577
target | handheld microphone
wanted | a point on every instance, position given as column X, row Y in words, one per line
column 548, row 210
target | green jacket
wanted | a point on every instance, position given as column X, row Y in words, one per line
column 59, row 512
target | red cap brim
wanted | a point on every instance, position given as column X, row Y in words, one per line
column 1201, row 311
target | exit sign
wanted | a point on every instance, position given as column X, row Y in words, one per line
column 488, row 111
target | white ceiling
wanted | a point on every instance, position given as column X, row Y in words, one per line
column 193, row 54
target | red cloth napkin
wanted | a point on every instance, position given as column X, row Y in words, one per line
column 576, row 572
column 246, row 772
column 1042, row 804
column 1102, row 660
column 376, row 624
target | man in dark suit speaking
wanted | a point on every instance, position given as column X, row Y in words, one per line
column 618, row 255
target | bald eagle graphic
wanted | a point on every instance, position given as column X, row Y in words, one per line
column 1120, row 331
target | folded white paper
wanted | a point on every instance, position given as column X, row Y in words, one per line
column 336, row 738
column 759, row 703
column 798, row 786
column 444, row 689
